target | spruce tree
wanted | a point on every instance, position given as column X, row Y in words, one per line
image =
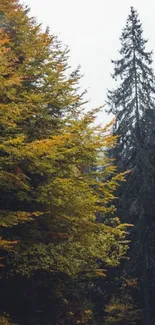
column 133, row 104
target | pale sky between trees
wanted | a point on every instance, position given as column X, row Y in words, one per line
column 91, row 29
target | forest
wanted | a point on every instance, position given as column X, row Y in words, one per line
column 77, row 200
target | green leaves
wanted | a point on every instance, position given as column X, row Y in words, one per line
column 57, row 184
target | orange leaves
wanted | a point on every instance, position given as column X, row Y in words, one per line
column 129, row 282
column 4, row 40
column 13, row 218
column 100, row 273
column 9, row 76
column 46, row 147
column 5, row 320
column 6, row 245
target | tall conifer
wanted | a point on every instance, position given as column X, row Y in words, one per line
column 133, row 104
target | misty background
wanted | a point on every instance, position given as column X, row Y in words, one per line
column 91, row 29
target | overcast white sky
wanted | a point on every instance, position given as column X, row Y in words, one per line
column 91, row 29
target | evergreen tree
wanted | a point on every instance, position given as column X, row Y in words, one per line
column 133, row 104
column 49, row 152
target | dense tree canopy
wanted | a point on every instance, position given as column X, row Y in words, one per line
column 57, row 182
